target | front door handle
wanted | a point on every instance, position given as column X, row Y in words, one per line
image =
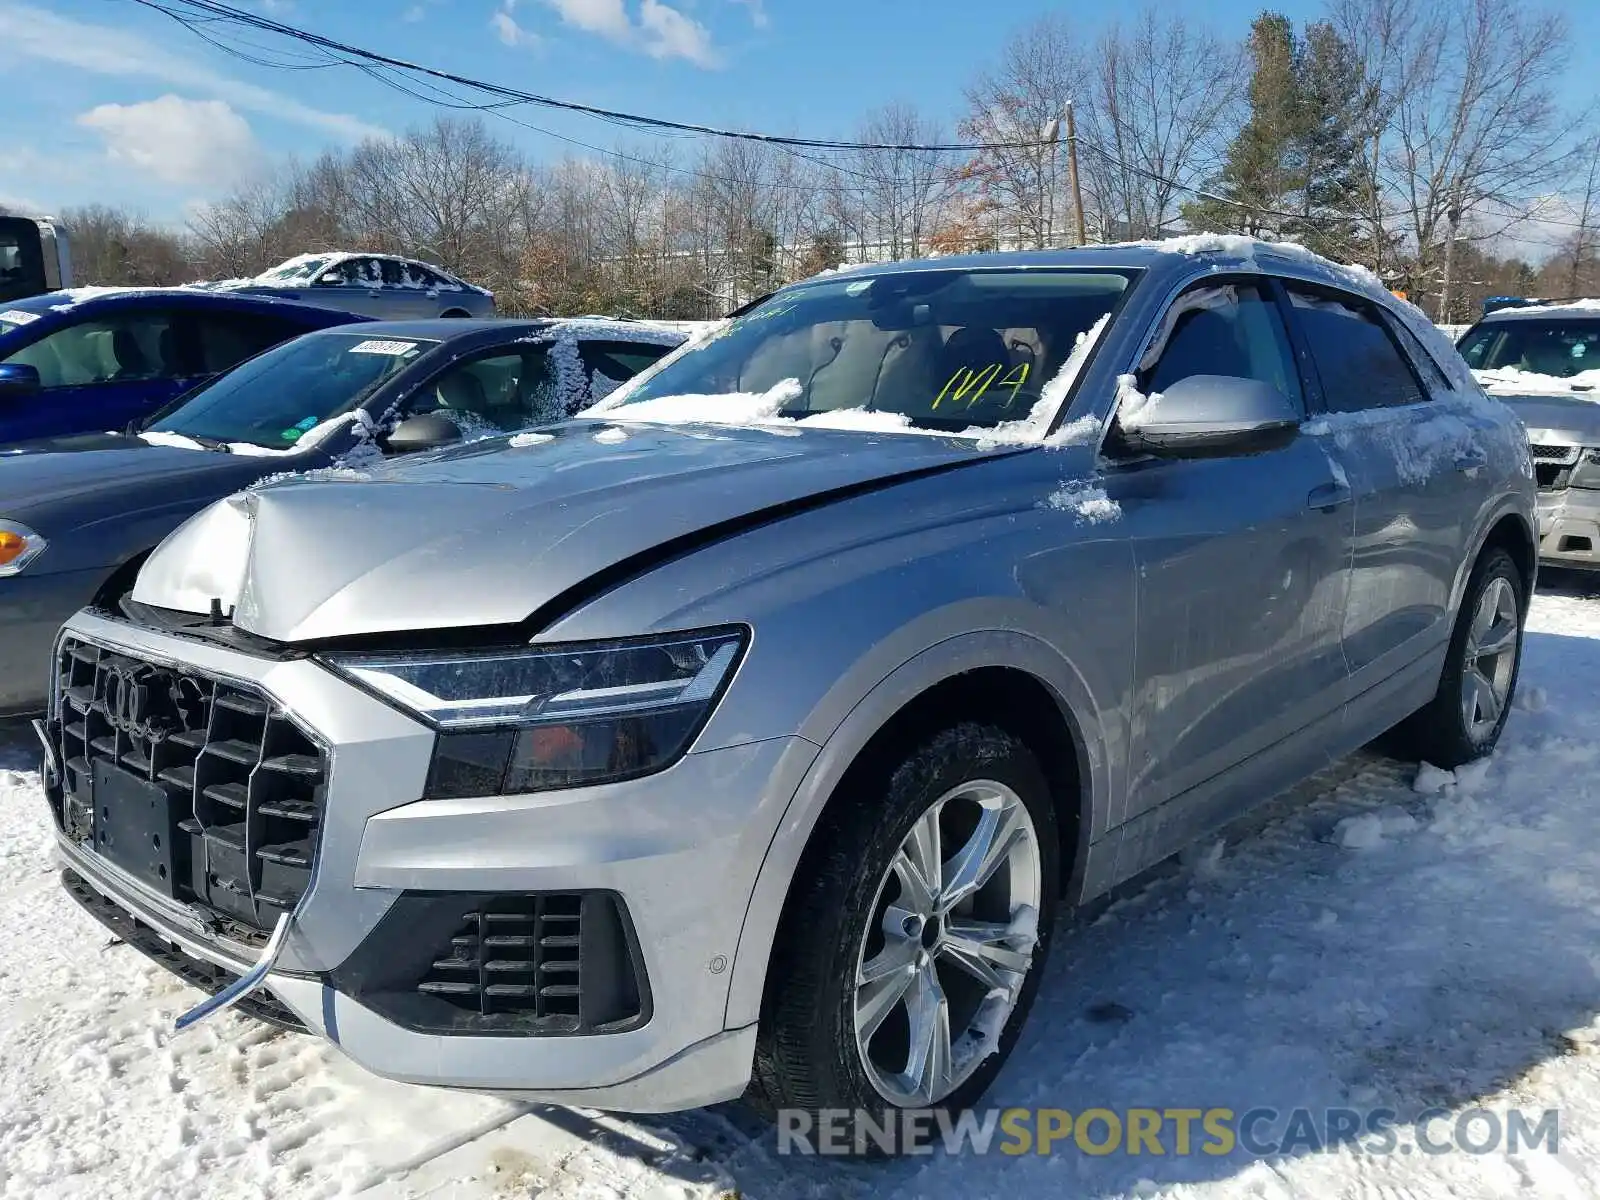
column 1329, row 496
column 1471, row 460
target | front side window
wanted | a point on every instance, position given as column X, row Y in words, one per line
column 496, row 394
column 947, row 349
column 276, row 397
column 1356, row 356
column 1560, row 348
column 124, row 349
column 1231, row 329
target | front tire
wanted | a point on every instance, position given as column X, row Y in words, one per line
column 914, row 940
column 1464, row 720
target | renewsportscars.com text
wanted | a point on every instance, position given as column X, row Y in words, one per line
column 1217, row 1132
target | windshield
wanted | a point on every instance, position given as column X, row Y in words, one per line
column 1557, row 347
column 274, row 398
column 943, row 349
column 296, row 268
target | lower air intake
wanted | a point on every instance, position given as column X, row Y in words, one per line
column 547, row 963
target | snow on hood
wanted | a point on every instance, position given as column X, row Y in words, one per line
column 1513, row 381
column 727, row 408
column 485, row 534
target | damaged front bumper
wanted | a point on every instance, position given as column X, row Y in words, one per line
column 404, row 948
column 1569, row 528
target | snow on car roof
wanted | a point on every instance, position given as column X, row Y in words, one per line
column 332, row 258
column 1586, row 306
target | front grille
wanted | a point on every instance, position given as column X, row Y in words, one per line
column 201, row 788
column 1549, row 477
column 1561, row 455
column 532, row 963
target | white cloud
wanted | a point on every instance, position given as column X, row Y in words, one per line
column 509, row 32
column 670, row 34
column 44, row 36
column 661, row 30
column 758, row 12
column 176, row 140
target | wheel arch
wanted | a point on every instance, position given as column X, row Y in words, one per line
column 1511, row 530
column 1002, row 677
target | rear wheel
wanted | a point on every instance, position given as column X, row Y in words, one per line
column 912, row 948
column 455, row 312
column 1464, row 720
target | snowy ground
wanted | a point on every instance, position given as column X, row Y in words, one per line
column 1360, row 944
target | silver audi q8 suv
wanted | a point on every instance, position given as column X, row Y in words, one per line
column 752, row 730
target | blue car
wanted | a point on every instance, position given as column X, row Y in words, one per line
column 99, row 358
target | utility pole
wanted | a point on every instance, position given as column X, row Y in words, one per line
column 1051, row 135
column 1453, row 215
column 1072, row 170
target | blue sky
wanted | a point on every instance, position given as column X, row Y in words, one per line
column 109, row 101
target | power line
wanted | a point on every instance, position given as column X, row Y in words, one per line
column 185, row 16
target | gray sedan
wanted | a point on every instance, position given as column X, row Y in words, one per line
column 374, row 285
column 751, row 731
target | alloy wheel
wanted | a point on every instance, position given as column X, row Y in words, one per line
column 1490, row 659
column 949, row 944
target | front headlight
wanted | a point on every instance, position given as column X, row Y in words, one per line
column 19, row 546
column 554, row 716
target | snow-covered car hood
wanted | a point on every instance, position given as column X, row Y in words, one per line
column 1556, row 420
column 494, row 532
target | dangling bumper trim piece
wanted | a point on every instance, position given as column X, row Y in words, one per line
column 245, row 984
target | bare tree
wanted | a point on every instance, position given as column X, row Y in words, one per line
column 1163, row 99
column 889, row 202
column 1015, row 108
column 1470, row 129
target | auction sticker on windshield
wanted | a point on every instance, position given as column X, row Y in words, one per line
column 399, row 349
column 18, row 317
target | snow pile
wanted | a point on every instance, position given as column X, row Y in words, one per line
column 1030, row 429
column 1134, row 408
column 728, row 408
column 1434, row 781
column 159, row 438
column 1367, row 830
column 1513, row 381
column 611, row 435
column 864, row 420
column 519, row 440
column 1088, row 502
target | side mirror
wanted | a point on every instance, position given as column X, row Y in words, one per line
column 331, row 279
column 18, row 379
column 426, row 431
column 1212, row 415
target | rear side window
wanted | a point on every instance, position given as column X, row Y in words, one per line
column 610, row 364
column 227, row 339
column 1356, row 356
column 1231, row 329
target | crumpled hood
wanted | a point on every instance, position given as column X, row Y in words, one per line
column 1556, row 420
column 490, row 533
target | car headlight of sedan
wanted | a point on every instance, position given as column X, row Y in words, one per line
column 544, row 717
column 19, row 546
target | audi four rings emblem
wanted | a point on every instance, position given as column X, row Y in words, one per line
column 129, row 693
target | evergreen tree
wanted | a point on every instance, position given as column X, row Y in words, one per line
column 1294, row 169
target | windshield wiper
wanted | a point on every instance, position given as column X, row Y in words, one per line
column 210, row 443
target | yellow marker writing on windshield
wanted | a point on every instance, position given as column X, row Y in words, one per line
column 964, row 381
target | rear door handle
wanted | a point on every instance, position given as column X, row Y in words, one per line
column 1329, row 496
